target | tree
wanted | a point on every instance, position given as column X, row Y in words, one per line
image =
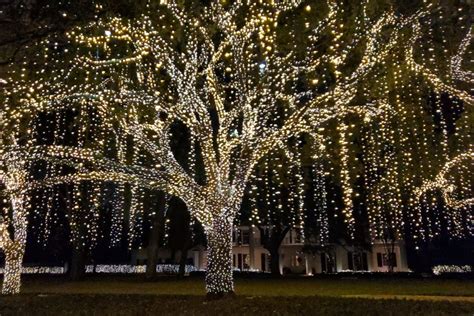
column 444, row 182
column 276, row 199
column 156, row 235
column 13, row 245
column 233, row 76
column 183, row 233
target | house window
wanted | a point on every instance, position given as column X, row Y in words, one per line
column 379, row 260
column 241, row 236
column 243, row 262
column 328, row 263
column 297, row 260
column 386, row 259
column 245, row 237
column 298, row 238
column 246, row 262
column 390, row 258
column 357, row 261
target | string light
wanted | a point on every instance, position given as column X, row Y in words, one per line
column 239, row 99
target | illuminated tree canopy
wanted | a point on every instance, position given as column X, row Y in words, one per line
column 235, row 77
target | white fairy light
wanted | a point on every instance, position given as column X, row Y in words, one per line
column 228, row 99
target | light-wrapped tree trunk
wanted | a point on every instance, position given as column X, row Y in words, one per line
column 219, row 280
column 12, row 273
column 13, row 246
column 156, row 233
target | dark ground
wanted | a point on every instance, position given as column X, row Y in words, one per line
column 132, row 295
column 136, row 304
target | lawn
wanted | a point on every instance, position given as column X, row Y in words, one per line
column 106, row 295
column 302, row 286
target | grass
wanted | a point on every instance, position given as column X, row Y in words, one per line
column 260, row 287
column 106, row 295
column 123, row 304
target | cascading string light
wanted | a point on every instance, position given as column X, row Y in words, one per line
column 138, row 84
column 347, row 210
column 320, row 200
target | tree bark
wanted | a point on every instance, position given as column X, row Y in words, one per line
column 182, row 262
column 184, row 253
column 12, row 274
column 219, row 278
column 272, row 242
column 187, row 244
column 78, row 264
column 155, row 237
column 274, row 261
column 14, row 248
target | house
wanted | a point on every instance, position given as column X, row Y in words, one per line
column 250, row 255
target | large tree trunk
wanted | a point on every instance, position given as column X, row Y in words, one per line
column 219, row 278
column 187, row 244
column 184, row 253
column 182, row 262
column 155, row 237
column 272, row 242
column 12, row 274
column 78, row 264
column 14, row 249
column 274, row 261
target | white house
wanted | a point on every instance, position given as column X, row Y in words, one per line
column 250, row 255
